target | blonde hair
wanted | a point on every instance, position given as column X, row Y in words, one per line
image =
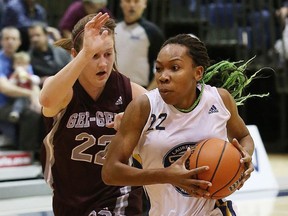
column 22, row 57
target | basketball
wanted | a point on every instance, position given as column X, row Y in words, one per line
column 225, row 170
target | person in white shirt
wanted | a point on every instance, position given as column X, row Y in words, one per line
column 137, row 43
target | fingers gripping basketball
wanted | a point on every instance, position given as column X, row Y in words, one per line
column 225, row 170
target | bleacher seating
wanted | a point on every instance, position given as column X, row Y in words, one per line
column 231, row 29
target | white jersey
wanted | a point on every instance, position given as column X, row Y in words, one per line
column 167, row 135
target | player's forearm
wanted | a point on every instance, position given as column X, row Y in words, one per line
column 248, row 144
column 56, row 87
column 123, row 174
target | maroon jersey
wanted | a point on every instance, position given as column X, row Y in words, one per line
column 75, row 149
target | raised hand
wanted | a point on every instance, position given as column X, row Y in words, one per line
column 117, row 121
column 94, row 34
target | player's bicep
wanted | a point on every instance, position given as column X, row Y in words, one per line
column 53, row 111
column 133, row 122
column 236, row 127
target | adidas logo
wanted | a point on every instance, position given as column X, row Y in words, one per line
column 119, row 101
column 213, row 109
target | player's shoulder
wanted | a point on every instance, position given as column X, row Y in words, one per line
column 138, row 110
column 140, row 105
column 141, row 101
column 224, row 94
column 227, row 98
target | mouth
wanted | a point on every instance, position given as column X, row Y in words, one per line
column 164, row 91
column 131, row 12
column 101, row 73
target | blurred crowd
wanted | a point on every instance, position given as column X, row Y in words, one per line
column 28, row 56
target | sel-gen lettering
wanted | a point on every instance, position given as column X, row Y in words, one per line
column 84, row 119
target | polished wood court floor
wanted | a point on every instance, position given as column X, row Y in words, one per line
column 262, row 203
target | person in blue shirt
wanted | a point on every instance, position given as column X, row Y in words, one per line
column 26, row 133
column 21, row 14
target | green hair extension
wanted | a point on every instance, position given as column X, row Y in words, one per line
column 232, row 76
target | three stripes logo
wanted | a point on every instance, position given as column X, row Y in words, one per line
column 213, row 109
column 119, row 101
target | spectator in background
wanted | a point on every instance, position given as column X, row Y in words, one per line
column 25, row 139
column 137, row 42
column 21, row 14
column 22, row 78
column 281, row 44
column 46, row 59
column 282, row 12
column 79, row 9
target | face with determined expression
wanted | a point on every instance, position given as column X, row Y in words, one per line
column 177, row 76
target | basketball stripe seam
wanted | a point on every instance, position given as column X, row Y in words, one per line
column 239, row 169
column 216, row 168
column 198, row 156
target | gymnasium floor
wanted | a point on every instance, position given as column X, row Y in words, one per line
column 262, row 203
column 269, row 204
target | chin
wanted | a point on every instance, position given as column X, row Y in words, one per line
column 102, row 81
column 166, row 99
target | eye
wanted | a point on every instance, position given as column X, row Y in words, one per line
column 108, row 54
column 157, row 69
column 175, row 67
column 96, row 56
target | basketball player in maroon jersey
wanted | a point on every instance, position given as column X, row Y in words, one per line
column 78, row 103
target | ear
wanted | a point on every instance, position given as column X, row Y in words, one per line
column 74, row 52
column 199, row 71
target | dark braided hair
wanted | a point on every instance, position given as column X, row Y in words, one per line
column 196, row 48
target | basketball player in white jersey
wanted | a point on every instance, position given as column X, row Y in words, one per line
column 164, row 124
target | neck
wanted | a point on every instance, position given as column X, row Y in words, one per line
column 93, row 91
column 131, row 22
column 192, row 107
column 8, row 54
column 43, row 48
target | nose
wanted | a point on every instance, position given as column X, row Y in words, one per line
column 102, row 61
column 164, row 77
column 33, row 38
column 132, row 4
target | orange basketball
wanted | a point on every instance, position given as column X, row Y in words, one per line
column 225, row 169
